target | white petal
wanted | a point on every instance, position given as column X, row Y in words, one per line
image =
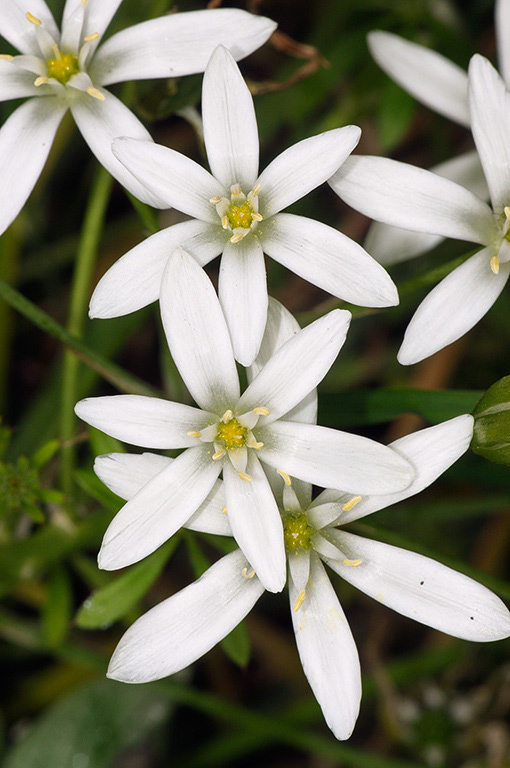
column 296, row 367
column 304, row 167
column 181, row 629
column 159, row 509
column 16, row 83
column 489, row 102
column 242, row 291
column 328, row 259
column 327, row 651
column 135, row 279
column 390, row 245
column 256, row 522
column 453, row 307
column 100, row 122
column 178, row 44
column 431, row 451
column 197, row 334
column 502, row 18
column 18, row 30
column 425, row 74
column 423, row 589
column 299, row 568
column 230, row 125
column 98, row 14
column 147, row 421
column 25, row 141
column 333, row 459
column 412, row 198
column 174, row 178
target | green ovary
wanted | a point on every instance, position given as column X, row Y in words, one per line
column 63, row 67
column 232, row 434
column 240, row 216
column 297, row 533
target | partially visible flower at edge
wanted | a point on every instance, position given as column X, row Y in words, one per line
column 66, row 71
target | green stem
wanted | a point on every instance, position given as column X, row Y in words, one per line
column 10, row 243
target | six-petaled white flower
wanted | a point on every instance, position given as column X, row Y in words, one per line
column 237, row 212
column 68, row 70
column 231, row 432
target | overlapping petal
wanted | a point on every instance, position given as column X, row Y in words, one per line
column 502, row 18
column 97, row 17
column 16, row 83
column 181, row 629
column 18, row 30
column 453, row 307
column 422, row 589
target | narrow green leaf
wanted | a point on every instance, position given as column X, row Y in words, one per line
column 56, row 615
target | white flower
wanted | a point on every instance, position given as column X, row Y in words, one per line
column 68, row 70
column 405, row 196
column 231, row 432
column 185, row 626
column 237, row 212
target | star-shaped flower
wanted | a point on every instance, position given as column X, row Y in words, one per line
column 231, row 432
column 68, row 70
column 237, row 212
column 418, row 200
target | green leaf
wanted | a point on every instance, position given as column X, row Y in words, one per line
column 237, row 645
column 101, row 443
column 56, row 616
column 91, row 727
column 89, row 482
column 113, row 601
column 491, row 438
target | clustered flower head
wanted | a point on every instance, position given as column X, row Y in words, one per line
column 249, row 458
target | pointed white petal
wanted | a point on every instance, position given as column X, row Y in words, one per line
column 453, row 307
column 256, row 522
column 489, row 102
column 296, row 367
column 328, row 259
column 159, row 509
column 16, row 83
column 230, row 126
column 25, row 141
column 390, row 245
column 412, row 198
column 181, row 629
column 327, row 651
column 147, row 421
column 242, row 291
column 423, row 589
column 178, row 44
column 135, row 279
column 431, row 451
column 18, row 30
column 98, row 14
column 502, row 18
column 431, row 78
column 197, row 334
column 280, row 327
column 174, row 178
column 299, row 568
column 333, row 459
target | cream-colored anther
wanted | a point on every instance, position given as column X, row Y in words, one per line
column 261, row 411
column 299, row 602
column 194, row 433
column 257, row 446
column 90, row 38
column 257, row 216
column 285, row 476
column 247, row 575
column 353, row 563
column 95, row 93
column 33, row 19
column 237, row 237
column 235, row 189
column 218, row 455
column 506, row 210
column 227, row 416
column 215, row 200
column 244, row 476
column 224, row 222
column 351, row 503
column 6, row 56
column 40, row 81
column 495, row 265
column 256, row 190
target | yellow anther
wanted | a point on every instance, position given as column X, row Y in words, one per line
column 33, row 19
column 256, row 190
column 83, row 3
column 244, row 476
column 506, row 209
column 354, row 563
column 495, row 264
column 299, row 602
column 95, row 93
column 90, row 38
column 235, row 189
column 194, row 433
column 224, row 510
column 227, row 416
column 257, row 217
column 215, row 200
column 286, row 478
column 6, row 56
column 237, row 237
column 40, row 81
column 261, row 411
column 350, row 504
column 257, row 446
column 224, row 222
column 247, row 575
column 218, row 455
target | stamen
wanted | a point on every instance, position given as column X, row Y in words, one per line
column 350, row 504
column 247, row 575
column 256, row 190
column 218, row 455
column 91, row 37
column 237, row 237
column 95, row 93
column 506, row 210
column 224, row 510
column 285, row 476
column 194, row 433
column 260, row 410
column 40, row 81
column 244, row 476
column 6, row 56
column 215, row 200
column 299, row 602
column 33, row 19
column 257, row 446
column 235, row 189
column 495, row 265
column 354, row 563
column 83, row 3
column 257, row 216
column 227, row 416
column 224, row 222
column 56, row 51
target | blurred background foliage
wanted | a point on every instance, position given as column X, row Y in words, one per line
column 429, row 700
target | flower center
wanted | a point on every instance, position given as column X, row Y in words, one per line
column 232, row 434
column 63, row 66
column 240, row 215
column 297, row 533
